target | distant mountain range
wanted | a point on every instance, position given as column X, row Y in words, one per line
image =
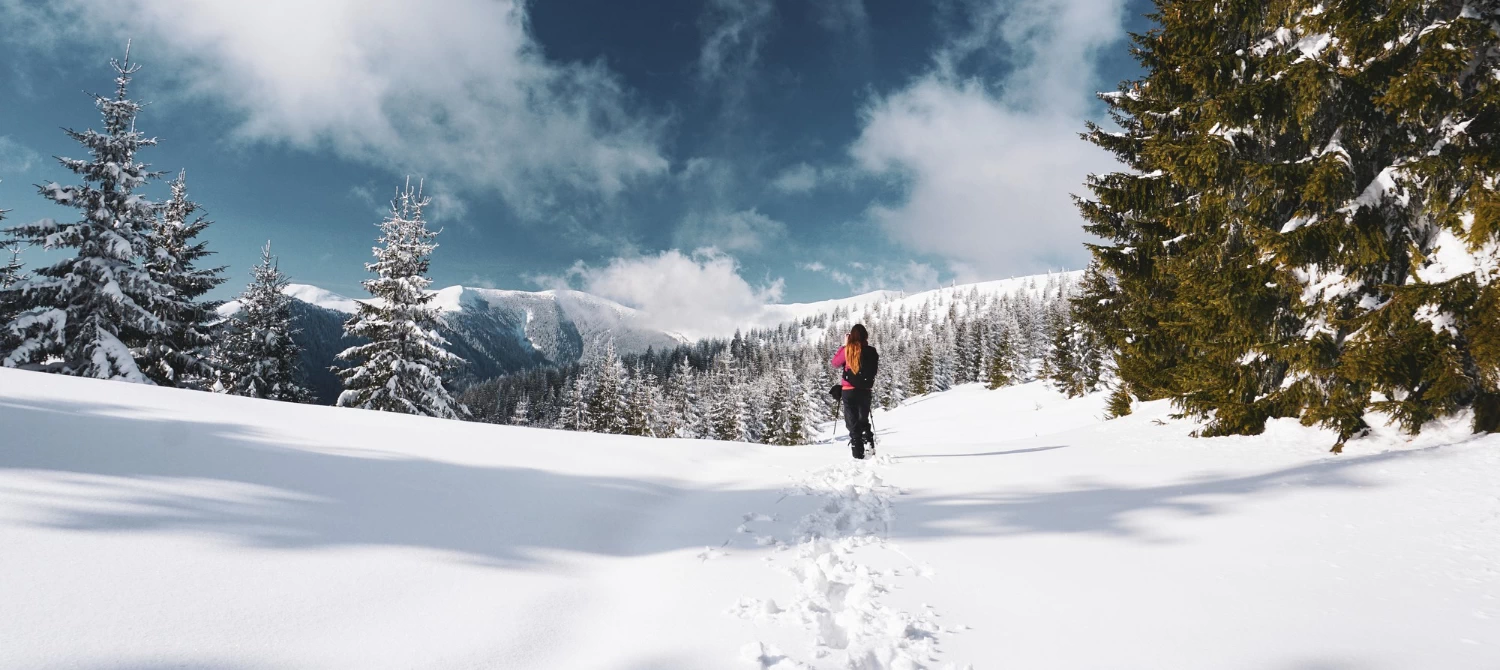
column 497, row 332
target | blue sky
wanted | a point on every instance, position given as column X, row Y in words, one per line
column 675, row 155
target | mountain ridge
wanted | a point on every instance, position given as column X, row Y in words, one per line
column 501, row 331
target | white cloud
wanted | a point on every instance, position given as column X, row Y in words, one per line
column 698, row 295
column 364, row 194
column 989, row 174
column 733, row 33
column 799, row 178
column 446, row 206
column 15, row 158
column 843, row 16
column 910, row 277
column 476, row 280
column 746, row 231
column 451, row 89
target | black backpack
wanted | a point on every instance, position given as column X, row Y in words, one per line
column 869, row 366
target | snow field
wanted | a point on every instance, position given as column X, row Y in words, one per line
column 145, row 527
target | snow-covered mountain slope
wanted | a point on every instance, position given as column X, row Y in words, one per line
column 495, row 332
column 150, row 527
column 500, row 331
column 555, row 323
column 326, row 299
column 858, row 305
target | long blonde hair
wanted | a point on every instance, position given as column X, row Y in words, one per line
column 858, row 338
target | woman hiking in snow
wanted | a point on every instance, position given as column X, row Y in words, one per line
column 859, row 362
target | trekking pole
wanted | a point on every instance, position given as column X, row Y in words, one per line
column 837, row 410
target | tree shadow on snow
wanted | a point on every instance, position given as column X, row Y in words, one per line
column 1108, row 509
column 1031, row 450
column 125, row 473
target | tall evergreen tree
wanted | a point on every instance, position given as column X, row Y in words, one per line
column 778, row 422
column 178, row 355
column 1306, row 179
column 921, row 381
column 11, row 274
column 1000, row 369
column 256, row 357
column 726, row 419
column 684, row 415
column 573, row 407
column 640, row 405
column 401, row 367
column 521, row 415
column 608, row 398
column 83, row 309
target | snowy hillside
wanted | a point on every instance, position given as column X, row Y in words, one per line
column 495, row 332
column 498, row 331
column 150, row 527
column 774, row 315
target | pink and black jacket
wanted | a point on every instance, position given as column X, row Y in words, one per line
column 869, row 366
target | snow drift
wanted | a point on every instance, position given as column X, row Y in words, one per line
column 151, row 527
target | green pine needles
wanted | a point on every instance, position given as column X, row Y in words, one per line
column 1309, row 224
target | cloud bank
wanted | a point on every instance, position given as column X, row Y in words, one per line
column 456, row 90
column 698, row 295
column 988, row 165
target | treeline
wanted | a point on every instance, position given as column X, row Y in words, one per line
column 1310, row 226
column 771, row 386
column 128, row 303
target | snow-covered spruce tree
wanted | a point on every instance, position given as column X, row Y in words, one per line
column 521, row 415
column 401, row 367
column 608, row 400
column 573, row 411
column 777, row 422
column 789, row 414
column 1307, row 177
column 640, row 405
column 83, row 310
column 726, row 406
column 1094, row 310
column 921, row 375
column 179, row 354
column 256, row 356
column 1414, row 311
column 683, row 415
column 11, row 273
column 999, row 363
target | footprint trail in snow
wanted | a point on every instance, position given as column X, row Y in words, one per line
column 840, row 597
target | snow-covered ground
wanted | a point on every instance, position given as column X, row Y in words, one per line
column 151, row 528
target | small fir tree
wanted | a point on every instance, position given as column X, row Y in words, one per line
column 402, row 366
column 999, row 367
column 257, row 356
column 11, row 274
column 922, row 374
column 573, row 408
column 521, row 415
column 179, row 355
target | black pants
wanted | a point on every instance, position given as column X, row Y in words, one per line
column 857, row 420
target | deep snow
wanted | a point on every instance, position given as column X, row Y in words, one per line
column 145, row 527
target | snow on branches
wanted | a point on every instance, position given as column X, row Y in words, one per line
column 402, row 366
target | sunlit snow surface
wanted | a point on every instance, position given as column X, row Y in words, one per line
column 151, row 528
